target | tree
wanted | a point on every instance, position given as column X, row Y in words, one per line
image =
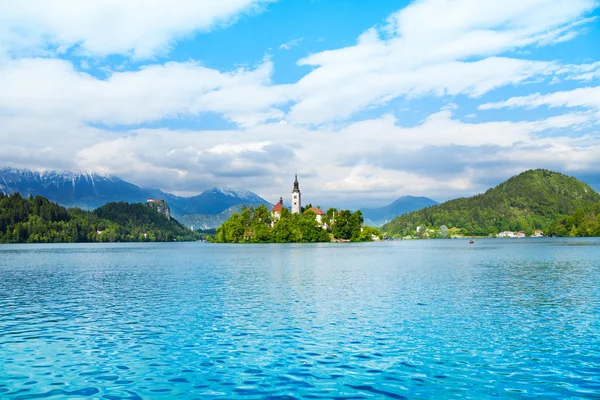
column 444, row 231
column 368, row 233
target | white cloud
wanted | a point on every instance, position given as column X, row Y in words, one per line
column 411, row 56
column 349, row 164
column 582, row 72
column 50, row 87
column 141, row 28
column 431, row 48
column 586, row 97
column 290, row 44
column 438, row 47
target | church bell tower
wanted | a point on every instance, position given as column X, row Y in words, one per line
column 296, row 202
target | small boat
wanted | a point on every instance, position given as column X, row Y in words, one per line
column 471, row 241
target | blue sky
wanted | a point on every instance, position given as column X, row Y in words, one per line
column 367, row 101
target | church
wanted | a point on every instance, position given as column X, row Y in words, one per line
column 296, row 206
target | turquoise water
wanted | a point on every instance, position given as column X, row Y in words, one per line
column 421, row 319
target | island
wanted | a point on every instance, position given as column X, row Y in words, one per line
column 296, row 225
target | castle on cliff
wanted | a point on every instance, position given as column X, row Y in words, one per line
column 160, row 206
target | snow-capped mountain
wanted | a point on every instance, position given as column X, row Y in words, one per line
column 89, row 190
column 70, row 188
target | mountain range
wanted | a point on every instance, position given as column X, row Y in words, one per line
column 88, row 191
column 208, row 210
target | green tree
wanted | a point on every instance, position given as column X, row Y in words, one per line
column 444, row 231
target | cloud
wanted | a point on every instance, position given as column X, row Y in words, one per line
column 55, row 113
column 138, row 28
column 370, row 161
column 404, row 58
column 435, row 47
column 40, row 87
column 586, row 97
column 290, row 44
column 582, row 72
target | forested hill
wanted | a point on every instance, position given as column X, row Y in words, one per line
column 37, row 220
column 531, row 200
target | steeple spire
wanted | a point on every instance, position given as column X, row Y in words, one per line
column 296, row 184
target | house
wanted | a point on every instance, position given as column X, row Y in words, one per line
column 276, row 212
column 538, row 233
column 320, row 214
column 507, row 234
column 521, row 235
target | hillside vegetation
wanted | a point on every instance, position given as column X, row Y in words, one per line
column 583, row 222
column 532, row 200
column 37, row 220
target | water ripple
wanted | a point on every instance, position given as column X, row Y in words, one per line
column 403, row 320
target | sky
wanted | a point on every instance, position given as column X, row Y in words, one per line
column 366, row 101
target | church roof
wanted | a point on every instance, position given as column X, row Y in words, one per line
column 317, row 211
column 278, row 207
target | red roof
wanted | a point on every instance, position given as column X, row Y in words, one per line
column 278, row 207
column 317, row 211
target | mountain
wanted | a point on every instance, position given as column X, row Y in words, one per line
column 531, row 200
column 405, row 204
column 70, row 188
column 217, row 200
column 89, row 191
column 208, row 221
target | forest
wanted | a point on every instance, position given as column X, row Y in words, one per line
column 584, row 222
column 38, row 220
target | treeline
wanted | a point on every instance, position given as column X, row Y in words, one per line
column 584, row 222
column 526, row 202
column 254, row 226
column 37, row 220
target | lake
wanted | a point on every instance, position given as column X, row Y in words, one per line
column 410, row 319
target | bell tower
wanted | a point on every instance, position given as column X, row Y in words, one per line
column 296, row 197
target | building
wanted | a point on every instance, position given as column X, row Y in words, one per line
column 320, row 214
column 507, row 234
column 296, row 197
column 538, row 233
column 276, row 212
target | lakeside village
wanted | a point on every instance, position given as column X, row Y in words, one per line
column 296, row 224
column 444, row 232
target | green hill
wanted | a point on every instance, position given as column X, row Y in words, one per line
column 37, row 220
column 531, row 200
